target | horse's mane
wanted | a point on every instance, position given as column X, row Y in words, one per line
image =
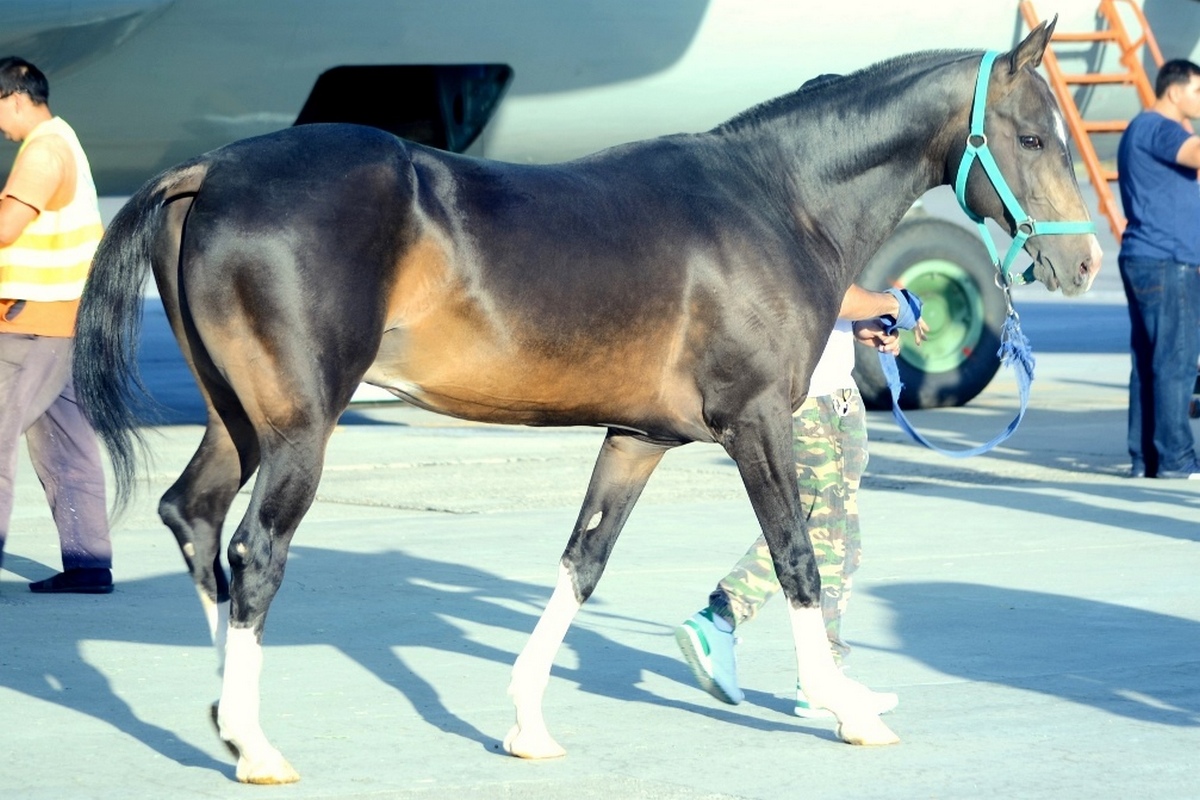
column 861, row 87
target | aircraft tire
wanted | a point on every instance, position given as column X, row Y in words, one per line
column 948, row 266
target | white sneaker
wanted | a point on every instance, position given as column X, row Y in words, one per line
column 709, row 652
column 883, row 702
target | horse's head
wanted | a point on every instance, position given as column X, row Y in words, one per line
column 1030, row 189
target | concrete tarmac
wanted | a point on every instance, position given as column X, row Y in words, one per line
column 1034, row 608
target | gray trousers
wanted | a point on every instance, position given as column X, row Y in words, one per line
column 37, row 399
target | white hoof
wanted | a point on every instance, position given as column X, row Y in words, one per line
column 867, row 730
column 523, row 744
column 857, row 709
column 270, row 770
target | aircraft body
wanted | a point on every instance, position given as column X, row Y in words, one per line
column 149, row 83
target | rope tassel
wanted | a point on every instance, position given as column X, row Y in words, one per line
column 1014, row 352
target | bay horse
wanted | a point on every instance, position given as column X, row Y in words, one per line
column 673, row 290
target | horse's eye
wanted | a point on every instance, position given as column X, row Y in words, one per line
column 1030, row 142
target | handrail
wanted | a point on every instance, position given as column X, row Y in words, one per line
column 1115, row 31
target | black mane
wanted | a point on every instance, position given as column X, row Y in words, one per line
column 861, row 88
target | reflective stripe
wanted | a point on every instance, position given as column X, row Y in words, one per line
column 60, row 239
column 19, row 257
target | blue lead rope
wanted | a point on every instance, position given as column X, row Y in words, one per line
column 1014, row 347
column 1014, row 351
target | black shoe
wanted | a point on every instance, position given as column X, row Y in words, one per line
column 85, row 580
column 1186, row 472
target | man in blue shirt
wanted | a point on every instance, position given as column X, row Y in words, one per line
column 1160, row 268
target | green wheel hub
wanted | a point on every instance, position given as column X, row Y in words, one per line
column 953, row 310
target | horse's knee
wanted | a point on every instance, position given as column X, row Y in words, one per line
column 800, row 581
column 248, row 552
column 588, row 550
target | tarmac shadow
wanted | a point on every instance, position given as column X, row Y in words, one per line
column 46, row 637
column 1120, row 660
column 398, row 601
column 416, row 602
column 1141, row 508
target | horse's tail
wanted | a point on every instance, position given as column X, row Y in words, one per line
column 108, row 385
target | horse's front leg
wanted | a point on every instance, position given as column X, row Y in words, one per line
column 761, row 445
column 622, row 469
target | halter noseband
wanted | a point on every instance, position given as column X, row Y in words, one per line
column 1027, row 226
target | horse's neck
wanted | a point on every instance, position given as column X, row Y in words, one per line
column 860, row 162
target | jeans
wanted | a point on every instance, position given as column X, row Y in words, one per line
column 1164, row 312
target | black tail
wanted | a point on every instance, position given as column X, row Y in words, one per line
column 107, row 383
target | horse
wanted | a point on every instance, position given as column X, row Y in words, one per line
column 673, row 290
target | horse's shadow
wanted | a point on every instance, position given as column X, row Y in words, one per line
column 398, row 601
column 47, row 636
column 1079, row 650
column 1035, row 641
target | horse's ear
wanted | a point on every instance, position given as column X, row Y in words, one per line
column 1029, row 52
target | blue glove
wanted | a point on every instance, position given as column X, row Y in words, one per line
column 910, row 311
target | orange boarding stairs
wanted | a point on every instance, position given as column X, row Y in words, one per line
column 1111, row 29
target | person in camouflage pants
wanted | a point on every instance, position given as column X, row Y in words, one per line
column 830, row 444
column 829, row 439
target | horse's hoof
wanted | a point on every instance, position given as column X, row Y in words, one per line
column 267, row 772
column 867, row 731
column 525, row 745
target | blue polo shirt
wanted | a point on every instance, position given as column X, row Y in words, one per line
column 1161, row 197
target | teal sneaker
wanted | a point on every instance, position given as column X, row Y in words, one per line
column 708, row 650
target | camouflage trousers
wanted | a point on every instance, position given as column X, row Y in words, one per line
column 830, row 445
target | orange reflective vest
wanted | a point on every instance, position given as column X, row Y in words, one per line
column 51, row 258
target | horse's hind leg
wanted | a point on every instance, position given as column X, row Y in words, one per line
column 622, row 469
column 257, row 553
column 760, row 443
column 253, row 423
column 194, row 509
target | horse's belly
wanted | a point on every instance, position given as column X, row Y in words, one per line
column 492, row 381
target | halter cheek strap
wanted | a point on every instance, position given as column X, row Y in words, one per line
column 1014, row 347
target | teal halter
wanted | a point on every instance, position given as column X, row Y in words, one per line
column 977, row 148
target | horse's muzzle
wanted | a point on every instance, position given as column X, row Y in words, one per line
column 1074, row 279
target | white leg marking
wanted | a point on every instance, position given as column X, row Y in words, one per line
column 854, row 705
column 217, row 615
column 237, row 716
column 594, row 522
column 529, row 737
